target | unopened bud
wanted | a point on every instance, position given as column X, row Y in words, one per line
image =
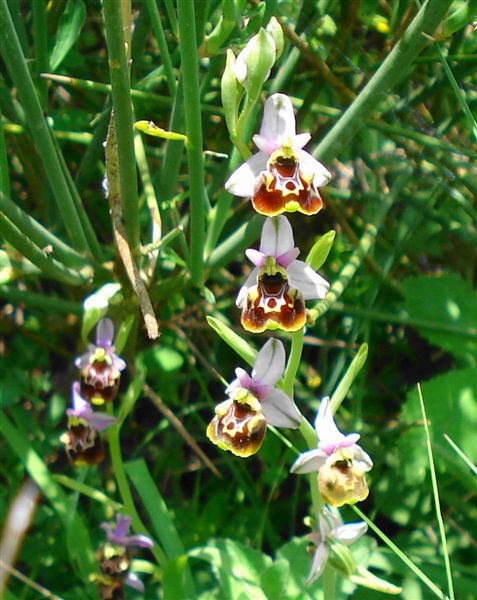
column 254, row 63
column 275, row 30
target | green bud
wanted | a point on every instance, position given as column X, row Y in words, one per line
column 366, row 579
column 254, row 63
column 320, row 250
column 231, row 93
column 275, row 30
column 342, row 559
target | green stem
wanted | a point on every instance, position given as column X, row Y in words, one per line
column 193, row 121
column 162, row 43
column 293, row 362
column 123, row 115
column 349, row 270
column 17, row 67
column 50, row 304
column 125, row 491
column 394, row 67
column 49, row 267
column 39, row 234
column 329, row 583
column 41, row 45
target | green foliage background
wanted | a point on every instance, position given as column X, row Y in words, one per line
column 402, row 201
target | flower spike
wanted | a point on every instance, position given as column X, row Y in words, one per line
column 340, row 463
column 274, row 294
column 240, row 422
column 281, row 177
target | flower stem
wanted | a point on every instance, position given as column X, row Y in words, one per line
column 193, row 121
column 329, row 583
column 158, row 30
column 293, row 361
column 125, row 491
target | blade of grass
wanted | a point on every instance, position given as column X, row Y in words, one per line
column 86, row 490
column 458, row 92
column 51, row 304
column 162, row 43
column 38, row 471
column 465, row 458
column 50, row 267
column 40, row 235
column 15, row 62
column 394, row 67
column 400, row 554
column 161, row 520
column 193, row 122
column 435, row 491
column 350, row 375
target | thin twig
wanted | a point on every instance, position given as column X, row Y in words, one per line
column 179, row 427
column 114, row 198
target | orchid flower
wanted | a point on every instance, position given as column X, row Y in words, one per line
column 115, row 556
column 331, row 530
column 240, row 422
column 340, row 463
column 118, row 535
column 100, row 367
column 274, row 294
column 281, row 177
column 82, row 443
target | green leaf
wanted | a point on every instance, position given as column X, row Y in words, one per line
column 321, row 248
column 295, row 552
column 274, row 580
column 177, row 571
column 453, row 303
column 237, row 343
column 69, row 29
column 350, row 375
column 237, row 567
column 451, row 406
column 152, row 129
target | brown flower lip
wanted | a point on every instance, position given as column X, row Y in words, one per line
column 273, row 304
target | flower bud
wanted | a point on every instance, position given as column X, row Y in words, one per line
column 254, row 63
column 275, row 30
column 231, row 93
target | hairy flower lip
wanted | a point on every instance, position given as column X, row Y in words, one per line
column 340, row 463
column 240, row 422
column 269, row 303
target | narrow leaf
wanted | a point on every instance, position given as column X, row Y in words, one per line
column 350, row 375
column 321, row 248
column 237, row 343
column 152, row 129
column 69, row 29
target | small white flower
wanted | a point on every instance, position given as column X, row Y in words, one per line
column 273, row 295
column 281, row 177
column 340, row 463
column 331, row 529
